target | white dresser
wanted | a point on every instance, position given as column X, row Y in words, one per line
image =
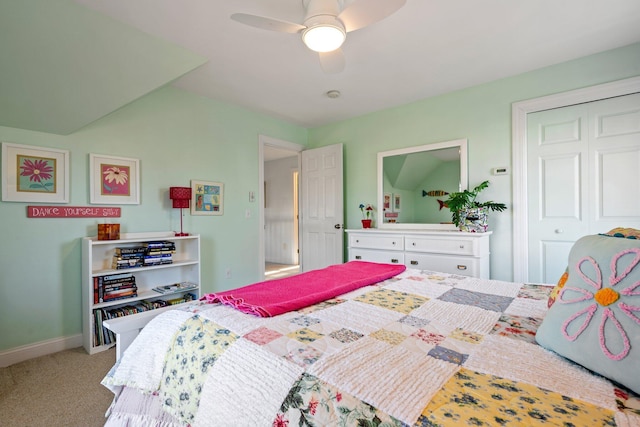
column 446, row 251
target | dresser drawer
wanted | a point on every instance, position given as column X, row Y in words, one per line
column 387, row 257
column 442, row 245
column 465, row 266
column 394, row 243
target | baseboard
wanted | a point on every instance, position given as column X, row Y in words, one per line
column 42, row 348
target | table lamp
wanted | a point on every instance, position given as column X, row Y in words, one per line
column 180, row 197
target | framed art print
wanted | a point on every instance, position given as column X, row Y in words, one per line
column 114, row 180
column 386, row 202
column 34, row 174
column 396, row 203
column 207, row 198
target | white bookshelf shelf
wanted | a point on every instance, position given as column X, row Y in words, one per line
column 97, row 256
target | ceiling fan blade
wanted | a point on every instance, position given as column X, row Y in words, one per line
column 361, row 13
column 332, row 62
column 267, row 23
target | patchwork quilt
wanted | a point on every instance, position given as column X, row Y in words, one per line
column 420, row 349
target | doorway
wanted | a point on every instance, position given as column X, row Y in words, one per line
column 320, row 213
column 281, row 237
column 279, row 210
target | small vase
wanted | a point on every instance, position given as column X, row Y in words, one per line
column 366, row 223
column 473, row 220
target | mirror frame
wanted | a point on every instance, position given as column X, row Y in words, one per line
column 462, row 146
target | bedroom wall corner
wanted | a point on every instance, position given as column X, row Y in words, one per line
column 177, row 136
column 480, row 113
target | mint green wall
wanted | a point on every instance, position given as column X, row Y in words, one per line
column 178, row 137
column 483, row 115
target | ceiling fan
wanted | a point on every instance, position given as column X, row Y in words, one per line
column 326, row 25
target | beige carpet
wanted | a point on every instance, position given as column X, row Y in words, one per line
column 60, row 389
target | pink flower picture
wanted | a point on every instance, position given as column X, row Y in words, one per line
column 115, row 180
column 36, row 174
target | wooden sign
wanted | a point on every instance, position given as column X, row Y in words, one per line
column 72, row 212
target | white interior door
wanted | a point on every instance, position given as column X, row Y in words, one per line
column 583, row 177
column 322, row 207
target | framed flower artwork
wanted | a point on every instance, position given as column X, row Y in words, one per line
column 207, row 198
column 396, row 202
column 114, row 180
column 34, row 174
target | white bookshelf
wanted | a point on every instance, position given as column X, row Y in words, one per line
column 97, row 256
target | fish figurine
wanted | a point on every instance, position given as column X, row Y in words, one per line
column 442, row 204
column 434, row 193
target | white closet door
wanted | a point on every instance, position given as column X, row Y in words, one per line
column 583, row 175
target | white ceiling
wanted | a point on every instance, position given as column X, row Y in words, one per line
column 428, row 47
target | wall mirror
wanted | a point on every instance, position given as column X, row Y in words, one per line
column 413, row 182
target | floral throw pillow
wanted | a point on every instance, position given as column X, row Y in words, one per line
column 595, row 319
column 626, row 233
column 556, row 290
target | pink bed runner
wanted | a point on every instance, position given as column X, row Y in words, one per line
column 273, row 297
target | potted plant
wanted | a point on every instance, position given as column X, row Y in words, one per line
column 467, row 213
column 367, row 211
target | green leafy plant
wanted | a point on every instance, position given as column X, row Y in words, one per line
column 466, row 199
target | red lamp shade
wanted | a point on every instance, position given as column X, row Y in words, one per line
column 180, row 196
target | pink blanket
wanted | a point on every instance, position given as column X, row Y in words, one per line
column 279, row 296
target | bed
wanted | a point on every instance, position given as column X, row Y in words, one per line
column 420, row 348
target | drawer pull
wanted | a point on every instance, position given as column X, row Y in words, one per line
column 413, row 244
column 461, row 246
column 393, row 243
column 462, row 267
column 357, row 241
column 414, row 262
column 394, row 260
column 358, row 257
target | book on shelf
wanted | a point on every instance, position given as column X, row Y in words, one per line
column 151, row 253
column 137, row 255
column 117, row 282
column 120, row 251
column 184, row 298
column 127, row 263
column 158, row 260
column 175, row 287
column 161, row 244
column 116, row 287
column 119, row 286
column 103, row 336
column 158, row 251
column 119, row 294
column 116, row 276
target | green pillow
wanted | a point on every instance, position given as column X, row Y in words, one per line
column 595, row 320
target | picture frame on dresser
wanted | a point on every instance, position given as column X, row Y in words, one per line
column 114, row 180
column 34, row 174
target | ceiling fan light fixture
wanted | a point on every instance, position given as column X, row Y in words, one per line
column 324, row 34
